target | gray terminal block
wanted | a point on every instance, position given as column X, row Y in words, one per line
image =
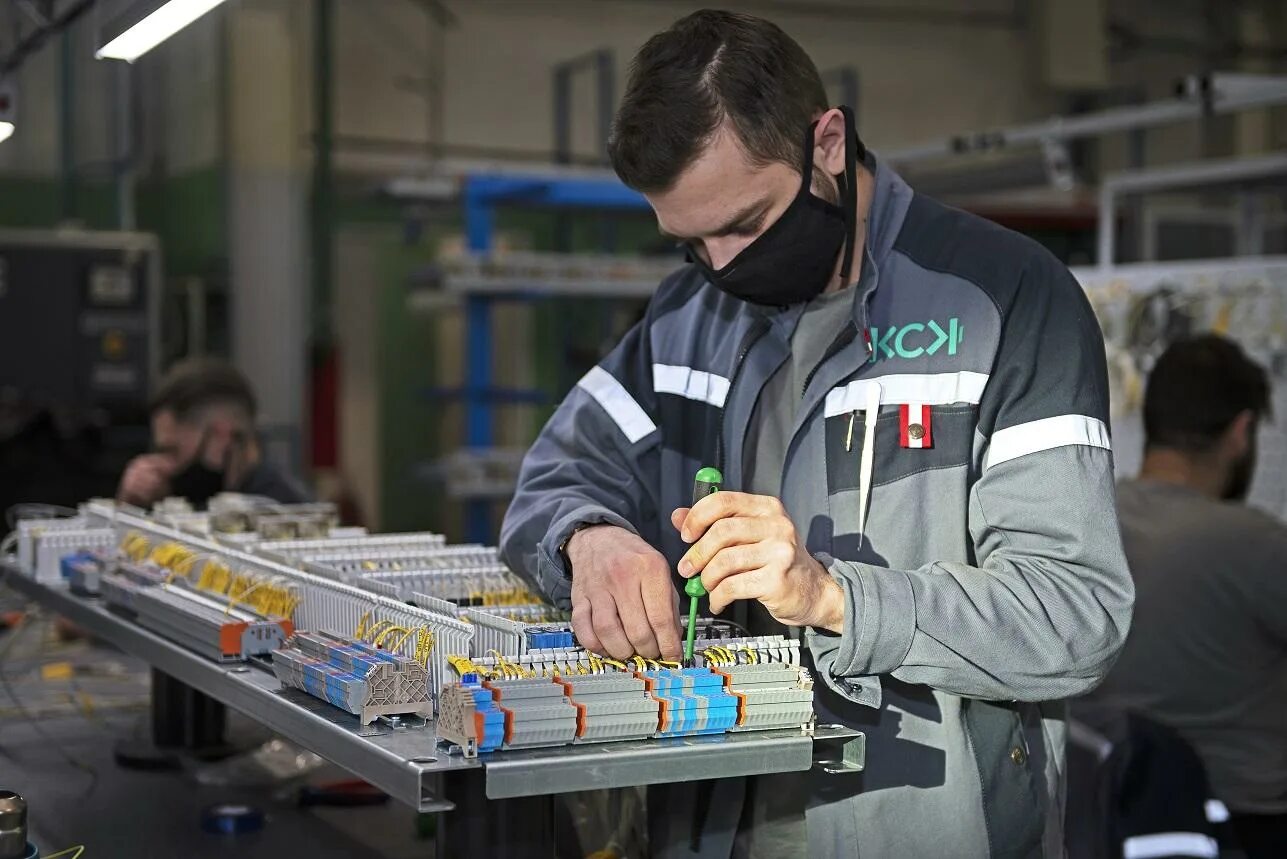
column 121, row 586
column 537, row 712
column 612, row 707
column 774, row 695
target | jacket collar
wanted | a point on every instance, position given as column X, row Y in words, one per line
column 889, row 205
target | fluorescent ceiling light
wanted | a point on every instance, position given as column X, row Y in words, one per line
column 6, row 131
column 148, row 24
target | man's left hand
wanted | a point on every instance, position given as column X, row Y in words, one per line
column 746, row 547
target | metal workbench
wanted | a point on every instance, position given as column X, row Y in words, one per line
column 502, row 799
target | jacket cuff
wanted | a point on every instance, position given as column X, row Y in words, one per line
column 552, row 572
column 880, row 618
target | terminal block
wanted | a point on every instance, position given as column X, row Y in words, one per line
column 352, row 675
column 537, row 712
column 83, row 571
column 610, row 707
column 546, row 637
column 693, row 701
column 770, row 695
column 121, row 585
column 469, row 718
column 210, row 627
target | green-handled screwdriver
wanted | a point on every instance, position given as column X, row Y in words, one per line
column 708, row 481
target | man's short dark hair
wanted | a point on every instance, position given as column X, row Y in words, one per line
column 194, row 385
column 1197, row 388
column 708, row 67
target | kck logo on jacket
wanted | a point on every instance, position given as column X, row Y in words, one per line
column 915, row 339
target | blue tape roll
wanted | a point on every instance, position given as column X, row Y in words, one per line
column 231, row 819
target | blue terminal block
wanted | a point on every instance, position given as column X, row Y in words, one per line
column 491, row 732
column 78, row 563
column 549, row 638
column 694, row 701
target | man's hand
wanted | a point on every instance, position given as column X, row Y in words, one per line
column 146, row 479
column 623, row 601
column 746, row 547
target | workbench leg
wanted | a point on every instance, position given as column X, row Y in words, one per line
column 503, row 828
column 184, row 718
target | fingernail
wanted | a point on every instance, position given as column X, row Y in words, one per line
column 685, row 568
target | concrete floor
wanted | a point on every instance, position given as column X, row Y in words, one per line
column 82, row 698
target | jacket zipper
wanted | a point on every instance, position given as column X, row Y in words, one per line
column 843, row 339
column 758, row 330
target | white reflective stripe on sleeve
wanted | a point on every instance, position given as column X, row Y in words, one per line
column 1170, row 844
column 932, row 389
column 628, row 415
column 1045, row 434
column 690, row 384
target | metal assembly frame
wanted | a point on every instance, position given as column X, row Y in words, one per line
column 406, row 762
column 1196, row 96
column 1198, row 174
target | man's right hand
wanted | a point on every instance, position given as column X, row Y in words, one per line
column 146, row 480
column 623, row 601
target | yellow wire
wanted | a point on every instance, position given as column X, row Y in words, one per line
column 361, row 626
column 401, row 641
column 370, row 630
column 462, row 665
column 79, row 848
column 424, row 645
column 376, row 642
column 241, row 597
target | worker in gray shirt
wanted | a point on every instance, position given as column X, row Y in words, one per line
column 1207, row 654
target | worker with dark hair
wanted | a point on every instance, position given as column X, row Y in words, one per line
column 204, row 440
column 908, row 406
column 1207, row 654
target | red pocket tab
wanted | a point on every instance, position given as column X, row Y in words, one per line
column 915, row 425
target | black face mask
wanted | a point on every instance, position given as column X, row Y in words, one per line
column 792, row 261
column 197, row 481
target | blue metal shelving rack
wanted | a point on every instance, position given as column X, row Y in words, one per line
column 482, row 195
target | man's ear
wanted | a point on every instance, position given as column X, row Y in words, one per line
column 1238, row 438
column 829, row 142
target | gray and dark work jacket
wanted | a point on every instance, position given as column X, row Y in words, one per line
column 987, row 581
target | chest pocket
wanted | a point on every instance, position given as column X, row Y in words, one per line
column 951, row 446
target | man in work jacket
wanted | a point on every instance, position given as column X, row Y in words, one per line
column 913, row 405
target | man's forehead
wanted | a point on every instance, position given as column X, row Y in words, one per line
column 719, row 183
column 165, row 423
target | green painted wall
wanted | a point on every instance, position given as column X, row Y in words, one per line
column 187, row 212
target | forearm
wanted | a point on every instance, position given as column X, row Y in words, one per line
column 1040, row 617
column 922, row 627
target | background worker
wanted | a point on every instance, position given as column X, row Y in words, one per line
column 204, row 442
column 1207, row 654
column 913, row 401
